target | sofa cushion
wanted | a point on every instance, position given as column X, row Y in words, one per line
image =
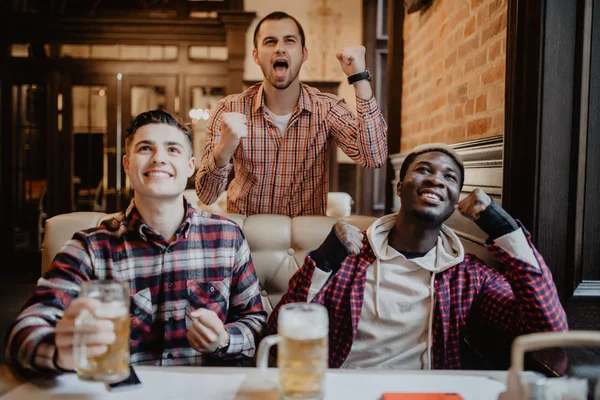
column 278, row 243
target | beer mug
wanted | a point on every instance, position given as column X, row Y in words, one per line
column 113, row 304
column 302, row 356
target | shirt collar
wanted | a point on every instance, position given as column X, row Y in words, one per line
column 135, row 222
column 305, row 101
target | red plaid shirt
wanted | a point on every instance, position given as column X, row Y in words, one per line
column 207, row 265
column 522, row 300
column 289, row 174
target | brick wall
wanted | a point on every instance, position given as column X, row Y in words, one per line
column 454, row 72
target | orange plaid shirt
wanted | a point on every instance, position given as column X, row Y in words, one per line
column 289, row 174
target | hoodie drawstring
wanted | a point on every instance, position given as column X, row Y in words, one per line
column 376, row 272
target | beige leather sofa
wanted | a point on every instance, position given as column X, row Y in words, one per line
column 339, row 204
column 278, row 243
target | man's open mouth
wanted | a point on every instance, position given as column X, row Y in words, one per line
column 431, row 197
column 280, row 67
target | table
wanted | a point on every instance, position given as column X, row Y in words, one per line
column 254, row 385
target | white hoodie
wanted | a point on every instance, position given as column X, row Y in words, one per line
column 394, row 331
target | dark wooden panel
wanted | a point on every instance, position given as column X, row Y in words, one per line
column 591, row 231
column 522, row 116
column 555, row 147
column 539, row 173
column 394, row 90
column 40, row 28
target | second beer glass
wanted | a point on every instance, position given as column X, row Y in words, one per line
column 302, row 356
column 113, row 304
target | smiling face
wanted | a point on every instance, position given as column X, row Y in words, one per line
column 431, row 188
column 279, row 52
column 158, row 161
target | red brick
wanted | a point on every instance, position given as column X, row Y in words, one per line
column 494, row 74
column 481, row 103
column 480, row 59
column 441, row 136
column 457, row 134
column 468, row 48
column 459, row 17
column 439, row 102
column 459, row 112
column 482, row 18
column 495, row 50
column 450, row 60
column 428, row 47
column 474, row 85
column 496, row 5
column 470, row 26
column 468, row 65
column 478, row 127
column 469, row 107
column 497, row 26
column 475, row 3
column 461, row 92
column 454, row 89
column 498, row 123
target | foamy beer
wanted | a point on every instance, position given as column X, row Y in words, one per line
column 112, row 366
column 302, row 357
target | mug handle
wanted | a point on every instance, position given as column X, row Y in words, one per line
column 262, row 359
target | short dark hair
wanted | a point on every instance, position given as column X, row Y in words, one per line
column 410, row 158
column 157, row 116
column 276, row 16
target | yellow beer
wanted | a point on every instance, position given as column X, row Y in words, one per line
column 303, row 350
column 302, row 365
column 113, row 365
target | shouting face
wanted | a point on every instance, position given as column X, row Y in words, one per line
column 279, row 52
column 431, row 188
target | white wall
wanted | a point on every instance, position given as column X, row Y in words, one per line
column 329, row 26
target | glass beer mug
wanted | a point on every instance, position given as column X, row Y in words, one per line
column 113, row 299
column 302, row 356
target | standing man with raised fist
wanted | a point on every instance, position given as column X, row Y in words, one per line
column 276, row 134
column 403, row 294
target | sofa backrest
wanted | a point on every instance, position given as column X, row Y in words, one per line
column 278, row 243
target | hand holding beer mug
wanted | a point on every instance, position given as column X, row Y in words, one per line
column 303, row 353
column 104, row 301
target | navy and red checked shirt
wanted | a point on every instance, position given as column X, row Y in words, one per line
column 206, row 265
column 521, row 300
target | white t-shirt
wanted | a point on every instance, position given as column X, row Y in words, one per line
column 280, row 121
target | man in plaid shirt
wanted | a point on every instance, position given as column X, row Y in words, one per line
column 194, row 292
column 276, row 135
column 406, row 294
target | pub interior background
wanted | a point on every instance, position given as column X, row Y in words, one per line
column 511, row 84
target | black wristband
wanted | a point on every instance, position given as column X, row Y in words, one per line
column 496, row 222
column 330, row 254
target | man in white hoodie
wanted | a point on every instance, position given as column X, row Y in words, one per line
column 402, row 297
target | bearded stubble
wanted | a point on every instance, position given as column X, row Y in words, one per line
column 280, row 85
column 432, row 219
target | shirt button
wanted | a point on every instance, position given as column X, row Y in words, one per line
column 212, row 288
column 170, row 285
